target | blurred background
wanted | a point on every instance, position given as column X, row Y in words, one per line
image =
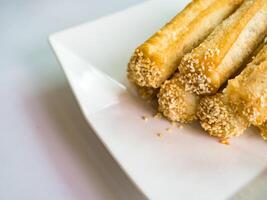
column 47, row 150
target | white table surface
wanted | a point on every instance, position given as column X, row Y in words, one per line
column 47, row 150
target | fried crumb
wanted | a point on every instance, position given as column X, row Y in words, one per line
column 224, row 141
column 145, row 118
column 168, row 129
column 159, row 135
column 158, row 116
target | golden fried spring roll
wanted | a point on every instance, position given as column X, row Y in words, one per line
column 247, row 93
column 211, row 64
column 218, row 118
column 175, row 103
column 155, row 60
column 179, row 105
column 243, row 102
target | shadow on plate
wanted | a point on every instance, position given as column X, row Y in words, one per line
column 75, row 152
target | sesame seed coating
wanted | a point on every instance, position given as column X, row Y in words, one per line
column 143, row 71
column 218, row 119
column 175, row 103
column 195, row 71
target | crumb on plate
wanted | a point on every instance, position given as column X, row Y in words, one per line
column 159, row 135
column 145, row 118
column 168, row 129
column 224, row 141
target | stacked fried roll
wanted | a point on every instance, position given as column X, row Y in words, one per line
column 175, row 103
column 206, row 68
column 243, row 102
column 218, row 118
column 157, row 59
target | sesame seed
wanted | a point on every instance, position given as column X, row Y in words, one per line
column 145, row 118
column 159, row 135
column 168, row 129
column 224, row 141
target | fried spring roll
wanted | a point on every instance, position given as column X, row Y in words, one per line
column 175, row 103
column 179, row 105
column 155, row 60
column 218, row 118
column 243, row 102
column 247, row 93
column 211, row 64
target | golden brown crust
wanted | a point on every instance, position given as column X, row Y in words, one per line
column 247, row 93
column 218, row 119
column 208, row 66
column 155, row 60
column 175, row 103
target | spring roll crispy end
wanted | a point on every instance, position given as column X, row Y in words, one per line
column 218, row 119
column 175, row 103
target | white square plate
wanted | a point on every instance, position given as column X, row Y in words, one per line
column 184, row 164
